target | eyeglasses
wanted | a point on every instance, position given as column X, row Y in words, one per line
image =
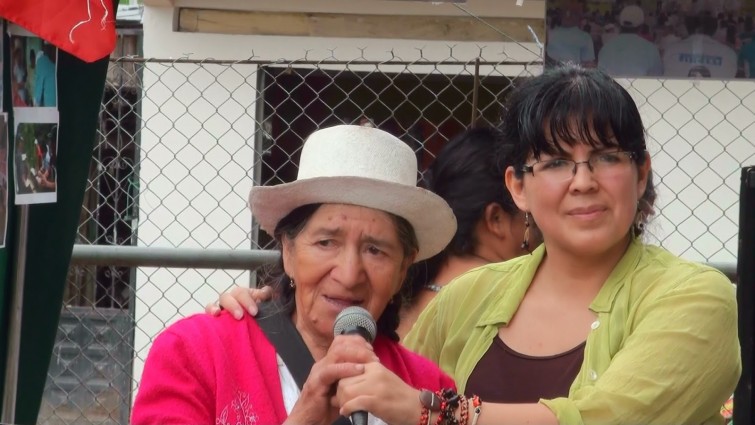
column 601, row 164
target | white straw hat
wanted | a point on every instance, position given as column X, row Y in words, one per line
column 350, row 164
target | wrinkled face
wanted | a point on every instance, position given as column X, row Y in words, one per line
column 591, row 212
column 345, row 255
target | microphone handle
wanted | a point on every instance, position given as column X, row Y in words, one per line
column 359, row 418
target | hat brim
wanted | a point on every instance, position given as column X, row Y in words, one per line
column 432, row 219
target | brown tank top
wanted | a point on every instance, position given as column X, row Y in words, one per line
column 504, row 376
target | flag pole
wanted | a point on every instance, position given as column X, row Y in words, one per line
column 14, row 322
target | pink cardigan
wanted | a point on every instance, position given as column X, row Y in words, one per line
column 217, row 371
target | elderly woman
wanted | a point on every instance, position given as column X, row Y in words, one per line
column 348, row 228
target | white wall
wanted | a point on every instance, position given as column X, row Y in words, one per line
column 197, row 153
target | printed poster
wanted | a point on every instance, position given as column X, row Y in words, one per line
column 35, row 155
column 681, row 39
column 34, row 98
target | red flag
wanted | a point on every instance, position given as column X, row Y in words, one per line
column 83, row 28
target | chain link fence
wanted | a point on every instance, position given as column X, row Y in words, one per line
column 182, row 141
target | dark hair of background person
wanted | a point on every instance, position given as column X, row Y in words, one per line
column 691, row 23
column 572, row 105
column 704, row 23
column 275, row 276
column 708, row 24
column 555, row 20
column 467, row 174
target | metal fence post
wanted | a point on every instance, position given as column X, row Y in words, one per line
column 743, row 413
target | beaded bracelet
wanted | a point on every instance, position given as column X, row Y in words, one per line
column 441, row 414
column 477, row 404
column 464, row 410
column 449, row 402
column 445, row 402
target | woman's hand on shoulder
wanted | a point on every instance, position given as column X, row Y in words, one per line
column 346, row 358
column 238, row 300
column 382, row 393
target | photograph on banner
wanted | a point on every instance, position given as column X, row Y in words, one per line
column 33, row 70
column 3, row 178
column 676, row 39
column 35, row 155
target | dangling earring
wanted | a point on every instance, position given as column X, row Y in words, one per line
column 526, row 242
column 292, row 284
column 638, row 226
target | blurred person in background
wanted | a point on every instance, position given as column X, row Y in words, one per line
column 628, row 54
column 567, row 42
column 700, row 55
column 45, row 81
column 467, row 174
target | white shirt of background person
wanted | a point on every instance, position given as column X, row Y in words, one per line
column 627, row 54
column 700, row 56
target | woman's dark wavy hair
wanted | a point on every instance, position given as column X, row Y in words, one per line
column 468, row 176
column 574, row 105
column 275, row 276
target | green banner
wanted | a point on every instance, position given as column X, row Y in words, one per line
column 51, row 227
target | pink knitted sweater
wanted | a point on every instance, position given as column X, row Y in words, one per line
column 217, row 371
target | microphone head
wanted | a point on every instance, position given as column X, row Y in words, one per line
column 355, row 319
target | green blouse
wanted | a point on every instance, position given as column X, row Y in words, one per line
column 663, row 350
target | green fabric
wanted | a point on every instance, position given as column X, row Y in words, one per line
column 52, row 228
column 664, row 348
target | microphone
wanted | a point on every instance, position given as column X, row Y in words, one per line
column 356, row 321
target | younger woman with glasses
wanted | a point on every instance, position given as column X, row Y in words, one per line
column 595, row 327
